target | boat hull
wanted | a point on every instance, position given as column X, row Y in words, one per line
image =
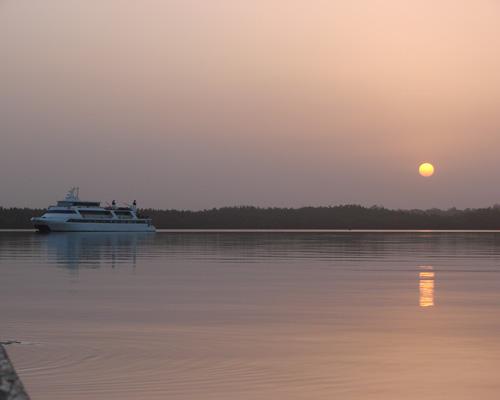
column 59, row 226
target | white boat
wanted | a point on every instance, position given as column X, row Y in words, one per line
column 75, row 215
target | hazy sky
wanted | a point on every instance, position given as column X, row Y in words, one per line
column 206, row 103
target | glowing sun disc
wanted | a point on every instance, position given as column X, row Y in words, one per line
column 426, row 169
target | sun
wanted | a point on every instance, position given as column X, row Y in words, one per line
column 426, row 169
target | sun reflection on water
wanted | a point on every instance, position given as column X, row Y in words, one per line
column 426, row 286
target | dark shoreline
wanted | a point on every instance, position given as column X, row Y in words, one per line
column 344, row 217
column 11, row 387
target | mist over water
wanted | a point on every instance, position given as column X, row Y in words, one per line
column 302, row 315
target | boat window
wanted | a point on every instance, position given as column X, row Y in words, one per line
column 65, row 203
column 61, row 212
column 126, row 213
column 91, row 213
column 87, row 203
column 109, row 221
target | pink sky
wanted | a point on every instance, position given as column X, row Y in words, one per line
column 198, row 104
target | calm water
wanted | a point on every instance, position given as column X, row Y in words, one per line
column 253, row 315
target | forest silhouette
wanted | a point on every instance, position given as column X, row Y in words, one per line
column 333, row 217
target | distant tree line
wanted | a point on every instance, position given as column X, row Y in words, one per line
column 18, row 218
column 334, row 217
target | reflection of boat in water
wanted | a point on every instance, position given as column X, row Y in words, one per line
column 92, row 250
column 75, row 215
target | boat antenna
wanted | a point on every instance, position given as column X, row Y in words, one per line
column 73, row 194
